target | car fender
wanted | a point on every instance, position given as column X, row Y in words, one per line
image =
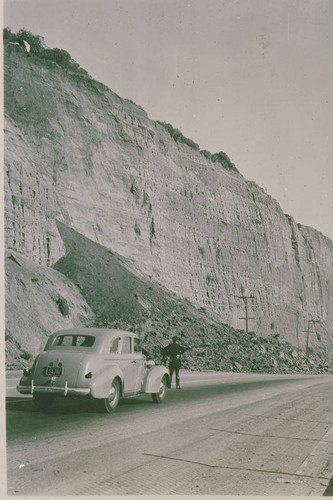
column 24, row 385
column 153, row 379
column 100, row 384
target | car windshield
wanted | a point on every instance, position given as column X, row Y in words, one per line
column 74, row 340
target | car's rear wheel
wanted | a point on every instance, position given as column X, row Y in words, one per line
column 43, row 401
column 111, row 402
column 159, row 396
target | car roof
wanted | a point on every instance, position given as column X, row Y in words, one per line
column 96, row 332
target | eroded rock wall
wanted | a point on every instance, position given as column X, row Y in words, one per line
column 78, row 153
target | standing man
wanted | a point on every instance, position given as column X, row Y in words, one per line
column 174, row 351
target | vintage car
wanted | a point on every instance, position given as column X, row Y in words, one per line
column 100, row 363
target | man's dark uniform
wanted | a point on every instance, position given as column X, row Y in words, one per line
column 174, row 351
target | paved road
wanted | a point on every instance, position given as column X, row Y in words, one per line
column 222, row 434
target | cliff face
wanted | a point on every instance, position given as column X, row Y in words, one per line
column 77, row 153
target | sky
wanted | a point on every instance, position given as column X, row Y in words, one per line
column 252, row 78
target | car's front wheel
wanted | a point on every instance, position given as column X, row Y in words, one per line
column 43, row 401
column 111, row 402
column 160, row 395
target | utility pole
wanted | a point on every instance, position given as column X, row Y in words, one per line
column 314, row 321
column 246, row 298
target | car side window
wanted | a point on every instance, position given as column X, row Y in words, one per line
column 115, row 345
column 126, row 345
column 137, row 347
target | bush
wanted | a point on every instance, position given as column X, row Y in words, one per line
column 206, row 154
column 177, row 136
column 221, row 158
column 25, row 355
column 36, row 42
column 8, row 35
column 63, row 306
column 152, row 230
column 59, row 56
column 224, row 160
column 37, row 47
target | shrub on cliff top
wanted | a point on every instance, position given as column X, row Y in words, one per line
column 37, row 47
column 206, row 154
column 36, row 42
column 177, row 136
column 221, row 158
column 8, row 35
column 224, row 160
column 59, row 56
